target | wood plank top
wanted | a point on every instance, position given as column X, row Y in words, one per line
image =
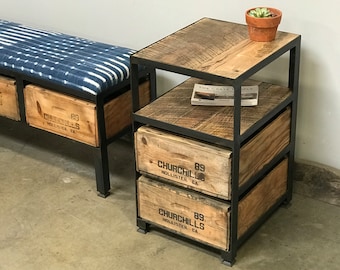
column 175, row 108
column 213, row 46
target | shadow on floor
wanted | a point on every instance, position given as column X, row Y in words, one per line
column 317, row 182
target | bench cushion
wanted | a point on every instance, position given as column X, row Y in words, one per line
column 67, row 60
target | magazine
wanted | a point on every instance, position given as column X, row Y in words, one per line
column 223, row 95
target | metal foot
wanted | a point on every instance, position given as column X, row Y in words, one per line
column 140, row 230
column 143, row 227
column 286, row 204
column 103, row 195
column 227, row 258
column 227, row 263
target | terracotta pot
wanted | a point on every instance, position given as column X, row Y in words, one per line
column 263, row 29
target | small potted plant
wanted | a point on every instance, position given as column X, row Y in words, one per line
column 262, row 23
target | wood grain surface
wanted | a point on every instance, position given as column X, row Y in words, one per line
column 213, row 46
column 9, row 105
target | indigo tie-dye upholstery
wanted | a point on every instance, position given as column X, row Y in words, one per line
column 63, row 59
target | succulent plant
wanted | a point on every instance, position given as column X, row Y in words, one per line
column 260, row 12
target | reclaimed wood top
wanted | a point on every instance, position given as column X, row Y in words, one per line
column 174, row 107
column 213, row 46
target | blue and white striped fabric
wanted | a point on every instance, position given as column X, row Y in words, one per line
column 63, row 59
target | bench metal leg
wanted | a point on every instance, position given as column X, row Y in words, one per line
column 102, row 171
column 143, row 227
column 101, row 159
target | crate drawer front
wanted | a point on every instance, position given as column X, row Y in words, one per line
column 203, row 218
column 61, row 114
column 203, row 167
column 183, row 211
column 9, row 105
column 187, row 162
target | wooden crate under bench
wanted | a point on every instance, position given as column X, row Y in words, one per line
column 77, row 119
column 9, row 105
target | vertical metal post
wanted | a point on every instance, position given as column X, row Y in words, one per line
column 235, row 174
column 101, row 159
column 142, row 225
column 20, row 92
column 294, row 67
column 153, row 88
column 134, row 85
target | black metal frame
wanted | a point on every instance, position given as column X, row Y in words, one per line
column 228, row 257
column 100, row 153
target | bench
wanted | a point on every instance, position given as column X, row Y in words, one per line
column 70, row 86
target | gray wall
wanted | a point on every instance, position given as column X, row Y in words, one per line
column 136, row 24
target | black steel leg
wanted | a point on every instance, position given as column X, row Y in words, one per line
column 227, row 258
column 102, row 171
column 143, row 227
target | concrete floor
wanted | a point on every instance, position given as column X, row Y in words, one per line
column 52, row 218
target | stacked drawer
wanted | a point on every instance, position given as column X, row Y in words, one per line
column 186, row 184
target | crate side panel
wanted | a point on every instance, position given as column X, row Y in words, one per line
column 118, row 111
column 262, row 197
column 258, row 152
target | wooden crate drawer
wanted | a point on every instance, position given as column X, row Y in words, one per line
column 203, row 218
column 9, row 105
column 77, row 119
column 204, row 167
column 184, row 211
column 61, row 114
column 187, row 162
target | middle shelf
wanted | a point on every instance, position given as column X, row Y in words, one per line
column 173, row 112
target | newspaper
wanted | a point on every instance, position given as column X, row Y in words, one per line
column 222, row 95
